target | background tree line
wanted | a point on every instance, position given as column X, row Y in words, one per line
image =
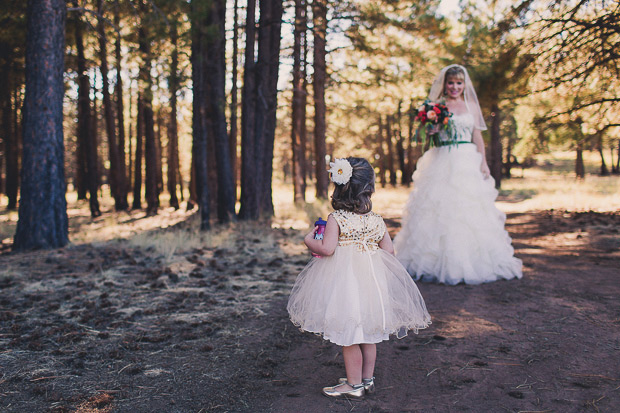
column 207, row 100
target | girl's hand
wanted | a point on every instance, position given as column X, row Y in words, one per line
column 484, row 168
column 327, row 245
column 311, row 233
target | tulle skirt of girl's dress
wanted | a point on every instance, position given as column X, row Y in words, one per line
column 355, row 297
column 452, row 232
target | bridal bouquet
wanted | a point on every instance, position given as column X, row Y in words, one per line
column 433, row 118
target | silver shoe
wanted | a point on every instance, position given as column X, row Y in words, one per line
column 369, row 384
column 356, row 393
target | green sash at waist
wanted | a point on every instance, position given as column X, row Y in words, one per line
column 448, row 143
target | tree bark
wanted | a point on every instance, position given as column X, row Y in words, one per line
column 234, row 100
column 249, row 178
column 137, row 180
column 130, row 138
column 159, row 153
column 303, row 135
column 43, row 221
column 114, row 175
column 123, row 185
column 216, row 79
column 258, row 120
column 390, row 149
column 618, row 158
column 12, row 153
column 6, row 110
column 319, row 17
column 410, row 150
column 580, row 170
column 173, row 134
column 150, row 150
column 298, row 149
column 199, row 117
column 381, row 153
column 496, row 145
column 400, row 145
column 599, row 144
column 87, row 145
column 269, row 41
column 84, row 114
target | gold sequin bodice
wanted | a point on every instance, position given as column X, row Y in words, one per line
column 364, row 231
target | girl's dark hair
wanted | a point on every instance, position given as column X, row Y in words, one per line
column 354, row 196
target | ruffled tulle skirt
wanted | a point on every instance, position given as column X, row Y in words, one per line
column 452, row 232
column 355, row 297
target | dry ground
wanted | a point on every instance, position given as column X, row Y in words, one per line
column 167, row 320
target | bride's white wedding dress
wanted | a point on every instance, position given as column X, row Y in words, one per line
column 451, row 230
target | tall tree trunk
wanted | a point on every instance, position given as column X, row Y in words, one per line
column 193, row 191
column 173, row 134
column 509, row 158
column 410, row 148
column 159, row 153
column 496, row 145
column 114, row 175
column 319, row 17
column 269, row 41
column 11, row 151
column 150, row 150
column 86, row 139
column 249, row 178
column 390, row 149
column 580, row 170
column 6, row 110
column 234, row 100
column 137, row 180
column 599, row 144
column 84, row 119
column 381, row 153
column 199, row 12
column 43, row 221
column 130, row 138
column 92, row 154
column 123, row 186
column 299, row 183
column 400, row 145
column 216, row 79
column 303, row 134
column 618, row 158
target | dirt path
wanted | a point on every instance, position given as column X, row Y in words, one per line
column 111, row 327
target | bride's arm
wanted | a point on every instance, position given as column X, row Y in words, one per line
column 479, row 142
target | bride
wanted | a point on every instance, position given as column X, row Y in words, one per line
column 452, row 232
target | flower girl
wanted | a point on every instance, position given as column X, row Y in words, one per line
column 356, row 293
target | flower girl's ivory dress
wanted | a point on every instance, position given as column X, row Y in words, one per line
column 452, row 232
column 361, row 293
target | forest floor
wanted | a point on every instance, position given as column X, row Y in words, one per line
column 160, row 318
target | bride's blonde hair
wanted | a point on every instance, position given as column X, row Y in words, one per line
column 456, row 72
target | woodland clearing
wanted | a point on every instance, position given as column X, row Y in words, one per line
column 148, row 315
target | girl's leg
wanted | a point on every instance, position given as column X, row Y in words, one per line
column 353, row 361
column 369, row 355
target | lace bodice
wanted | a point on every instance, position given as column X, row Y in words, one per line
column 463, row 125
column 364, row 231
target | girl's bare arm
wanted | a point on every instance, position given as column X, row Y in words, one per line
column 327, row 245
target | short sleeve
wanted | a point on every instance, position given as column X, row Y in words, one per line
column 339, row 217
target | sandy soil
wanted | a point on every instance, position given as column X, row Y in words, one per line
column 116, row 327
